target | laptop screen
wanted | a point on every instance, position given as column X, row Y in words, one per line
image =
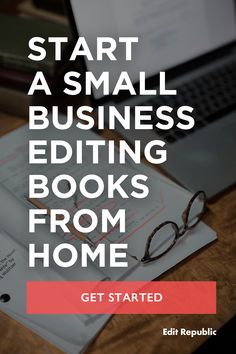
column 170, row 32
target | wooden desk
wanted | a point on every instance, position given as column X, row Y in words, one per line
column 143, row 333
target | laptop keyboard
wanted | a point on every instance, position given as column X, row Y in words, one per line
column 212, row 96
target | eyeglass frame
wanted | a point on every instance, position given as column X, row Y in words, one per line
column 178, row 232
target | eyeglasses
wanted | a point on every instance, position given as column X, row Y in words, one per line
column 164, row 237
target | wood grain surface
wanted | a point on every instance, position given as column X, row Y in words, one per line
column 131, row 334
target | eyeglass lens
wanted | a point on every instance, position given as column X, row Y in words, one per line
column 196, row 210
column 165, row 236
column 162, row 240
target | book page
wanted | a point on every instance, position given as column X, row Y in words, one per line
column 70, row 332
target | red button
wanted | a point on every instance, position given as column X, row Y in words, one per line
column 121, row 297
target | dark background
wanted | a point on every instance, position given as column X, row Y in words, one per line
column 9, row 6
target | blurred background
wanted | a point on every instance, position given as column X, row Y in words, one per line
column 19, row 21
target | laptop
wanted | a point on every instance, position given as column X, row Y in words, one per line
column 193, row 41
